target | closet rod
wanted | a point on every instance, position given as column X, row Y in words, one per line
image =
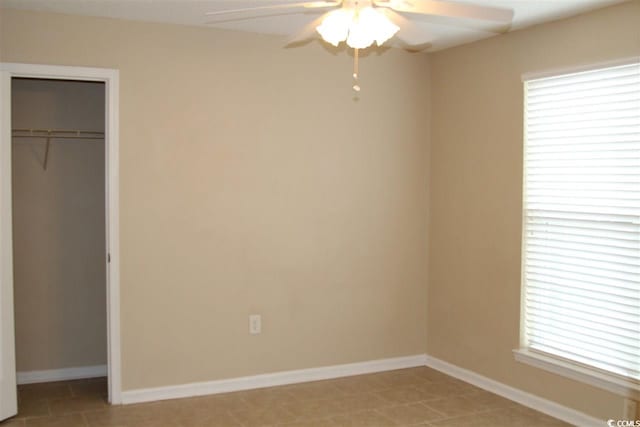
column 49, row 134
column 57, row 136
column 57, row 133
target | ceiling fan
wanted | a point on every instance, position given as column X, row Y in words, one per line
column 361, row 23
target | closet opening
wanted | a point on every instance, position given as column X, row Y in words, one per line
column 59, row 225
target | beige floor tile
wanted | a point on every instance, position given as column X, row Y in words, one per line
column 359, row 403
column 313, row 409
column 519, row 415
column 208, row 420
column 306, row 423
column 97, row 387
column 268, row 397
column 76, row 404
column 490, row 400
column 314, row 390
column 456, row 406
column 112, row 419
column 401, row 395
column 73, row 420
column 28, row 408
column 44, row 391
column 358, row 419
column 119, row 415
column 14, row 422
column 107, row 418
column 362, row 419
column 430, row 374
column 358, row 384
column 501, row 418
column 448, row 389
column 399, row 378
column 227, row 402
column 183, row 413
column 264, row 416
column 463, row 387
column 466, row 421
column 413, row 413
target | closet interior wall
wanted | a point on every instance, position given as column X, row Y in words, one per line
column 59, row 227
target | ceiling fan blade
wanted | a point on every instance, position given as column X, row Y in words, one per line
column 417, row 48
column 305, row 33
column 227, row 19
column 306, row 5
column 449, row 9
column 410, row 35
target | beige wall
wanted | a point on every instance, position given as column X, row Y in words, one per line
column 252, row 182
column 476, row 196
column 58, row 228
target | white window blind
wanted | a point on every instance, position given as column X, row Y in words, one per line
column 581, row 252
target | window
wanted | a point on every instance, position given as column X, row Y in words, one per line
column 581, row 231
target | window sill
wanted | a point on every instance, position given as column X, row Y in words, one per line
column 614, row 384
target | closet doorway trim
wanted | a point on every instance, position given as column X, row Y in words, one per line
column 111, row 79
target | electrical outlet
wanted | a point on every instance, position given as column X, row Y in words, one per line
column 255, row 324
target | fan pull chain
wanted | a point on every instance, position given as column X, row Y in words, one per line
column 356, row 86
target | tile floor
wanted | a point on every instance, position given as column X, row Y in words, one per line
column 407, row 397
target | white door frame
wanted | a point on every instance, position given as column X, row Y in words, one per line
column 111, row 79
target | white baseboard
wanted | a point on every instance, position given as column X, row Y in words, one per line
column 31, row 377
column 545, row 406
column 328, row 372
column 270, row 380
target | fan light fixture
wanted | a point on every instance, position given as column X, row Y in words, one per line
column 361, row 23
column 360, row 28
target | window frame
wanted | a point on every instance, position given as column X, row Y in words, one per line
column 618, row 384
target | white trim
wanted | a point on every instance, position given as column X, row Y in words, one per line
column 545, row 406
column 113, row 235
column 8, row 395
column 60, row 72
column 64, row 374
column 270, row 380
column 612, row 383
column 534, row 75
column 111, row 79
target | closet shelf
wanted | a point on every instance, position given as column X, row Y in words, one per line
column 50, row 134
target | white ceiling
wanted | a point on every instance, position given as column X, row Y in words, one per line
column 440, row 33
